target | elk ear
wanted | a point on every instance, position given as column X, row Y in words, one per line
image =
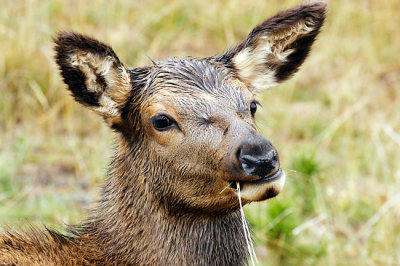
column 276, row 48
column 93, row 73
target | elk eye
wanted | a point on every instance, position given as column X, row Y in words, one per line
column 253, row 107
column 162, row 122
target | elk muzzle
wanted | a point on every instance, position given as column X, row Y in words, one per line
column 259, row 168
column 255, row 157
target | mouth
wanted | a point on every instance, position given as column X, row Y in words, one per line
column 261, row 189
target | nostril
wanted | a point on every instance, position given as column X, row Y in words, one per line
column 249, row 159
column 248, row 164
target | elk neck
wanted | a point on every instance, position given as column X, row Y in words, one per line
column 133, row 225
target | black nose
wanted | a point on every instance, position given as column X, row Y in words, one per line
column 258, row 159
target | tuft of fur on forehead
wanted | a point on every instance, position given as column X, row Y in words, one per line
column 190, row 75
column 276, row 48
column 200, row 79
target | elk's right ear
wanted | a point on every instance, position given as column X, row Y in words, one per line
column 93, row 73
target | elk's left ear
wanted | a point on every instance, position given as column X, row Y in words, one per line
column 276, row 48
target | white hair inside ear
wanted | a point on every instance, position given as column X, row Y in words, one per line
column 276, row 48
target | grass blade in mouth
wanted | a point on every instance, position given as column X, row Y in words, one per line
column 246, row 230
column 226, row 187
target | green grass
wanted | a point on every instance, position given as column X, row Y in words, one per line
column 333, row 123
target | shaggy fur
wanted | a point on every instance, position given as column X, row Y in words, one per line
column 162, row 202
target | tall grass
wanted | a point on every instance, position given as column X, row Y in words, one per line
column 336, row 124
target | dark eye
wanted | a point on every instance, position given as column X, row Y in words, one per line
column 162, row 122
column 253, row 108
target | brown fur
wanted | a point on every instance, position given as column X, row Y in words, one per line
column 161, row 204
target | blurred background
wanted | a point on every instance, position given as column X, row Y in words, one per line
column 336, row 124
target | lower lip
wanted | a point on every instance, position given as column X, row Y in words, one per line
column 264, row 180
column 271, row 177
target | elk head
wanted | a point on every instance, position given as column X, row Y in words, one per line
column 188, row 125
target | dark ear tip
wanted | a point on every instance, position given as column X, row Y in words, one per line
column 64, row 35
column 71, row 39
column 70, row 42
column 317, row 8
column 65, row 42
column 313, row 12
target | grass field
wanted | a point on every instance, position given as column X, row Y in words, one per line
column 336, row 124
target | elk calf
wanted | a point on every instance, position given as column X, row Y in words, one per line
column 184, row 131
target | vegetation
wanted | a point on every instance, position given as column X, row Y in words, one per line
column 336, row 124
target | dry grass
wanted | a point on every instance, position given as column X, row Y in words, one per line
column 336, row 123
